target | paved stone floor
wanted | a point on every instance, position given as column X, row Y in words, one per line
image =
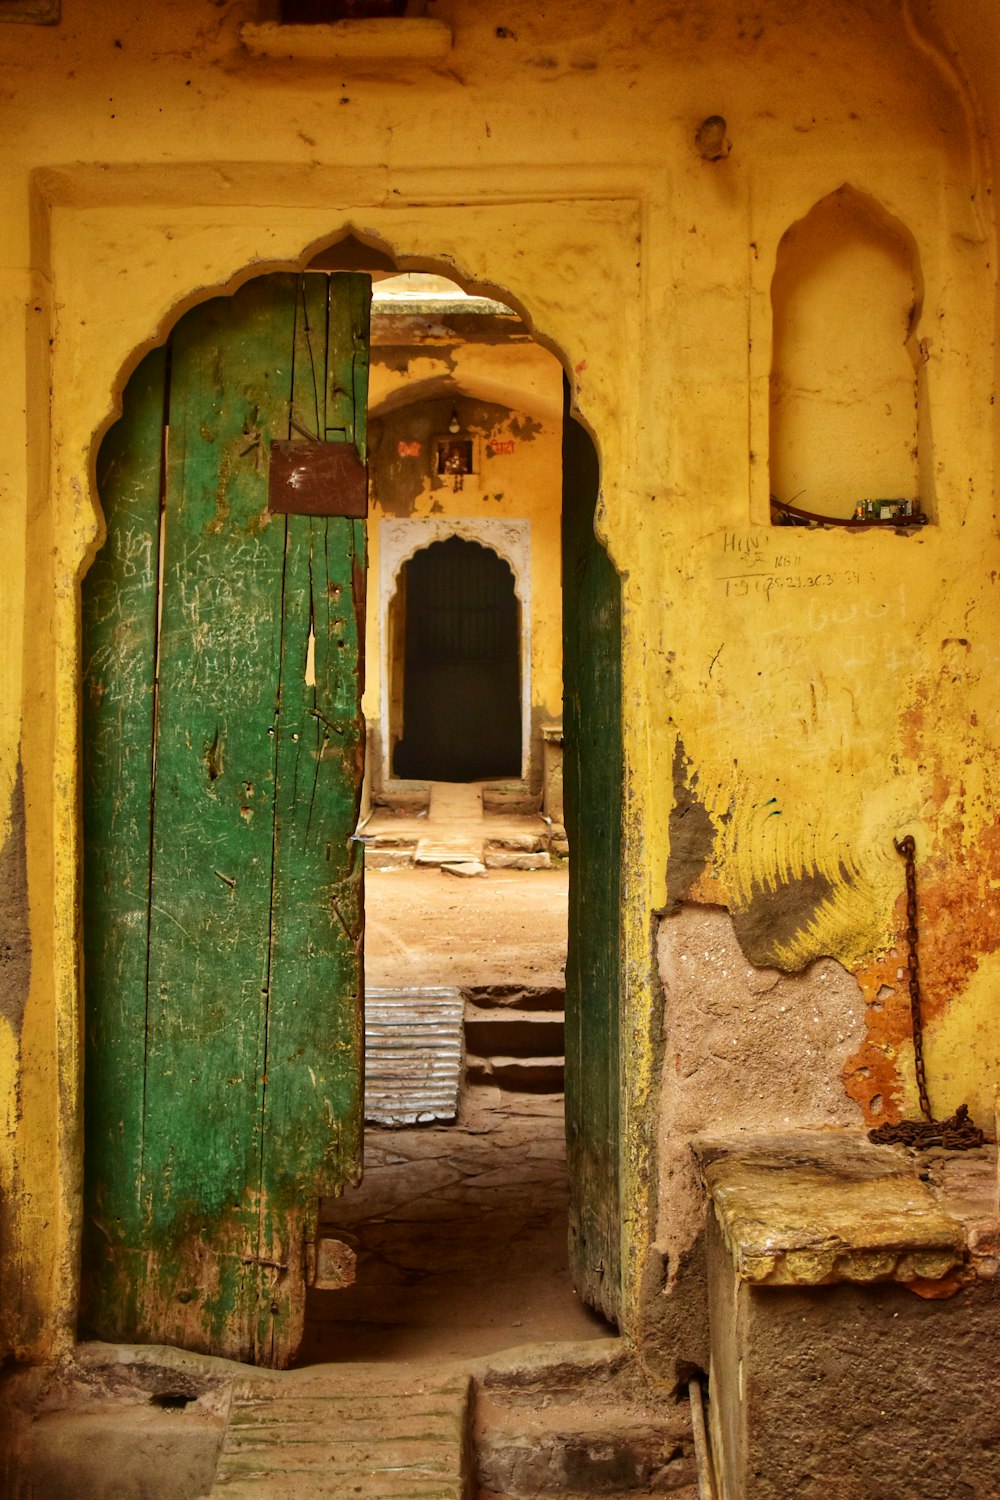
column 460, row 1233
column 460, row 1230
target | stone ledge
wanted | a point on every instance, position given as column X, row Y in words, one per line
column 416, row 39
column 809, row 1208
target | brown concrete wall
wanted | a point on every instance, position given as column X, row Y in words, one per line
column 851, row 1391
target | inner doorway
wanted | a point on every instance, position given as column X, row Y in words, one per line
column 461, row 677
column 459, row 1230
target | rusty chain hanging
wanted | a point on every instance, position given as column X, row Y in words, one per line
column 958, row 1132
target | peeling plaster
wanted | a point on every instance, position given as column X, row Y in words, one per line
column 15, row 935
column 745, row 1047
column 777, row 915
column 692, row 832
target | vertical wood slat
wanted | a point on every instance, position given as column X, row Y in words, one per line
column 313, row 1111
column 119, row 637
column 213, row 817
column 347, row 362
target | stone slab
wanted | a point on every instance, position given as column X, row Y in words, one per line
column 518, row 843
column 506, row 859
column 389, row 1435
column 378, row 858
column 806, row 1208
column 447, row 851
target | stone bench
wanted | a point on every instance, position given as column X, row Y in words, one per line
column 853, row 1315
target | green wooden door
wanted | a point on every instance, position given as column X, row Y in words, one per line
column 222, row 891
column 592, row 781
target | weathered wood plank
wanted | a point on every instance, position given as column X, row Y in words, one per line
column 348, row 342
column 236, row 1080
column 119, row 653
column 313, row 1103
column 209, row 968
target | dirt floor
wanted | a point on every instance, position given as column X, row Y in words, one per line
column 460, row 1230
column 423, row 927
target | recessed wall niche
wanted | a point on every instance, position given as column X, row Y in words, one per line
column 847, row 410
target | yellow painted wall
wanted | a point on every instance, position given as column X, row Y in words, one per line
column 517, row 433
column 829, row 690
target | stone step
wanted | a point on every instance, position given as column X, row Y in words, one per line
column 584, row 1448
column 516, row 1033
column 389, row 857
column 516, row 996
column 456, row 800
column 454, row 850
column 509, row 859
column 517, row 843
column 511, row 797
column 678, row 1492
column 385, row 1434
column 598, row 1458
column 525, row 1075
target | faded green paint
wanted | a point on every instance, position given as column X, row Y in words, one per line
column 119, row 651
column 592, row 771
column 225, row 1067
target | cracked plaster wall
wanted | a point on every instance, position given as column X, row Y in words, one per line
column 744, row 1048
column 827, row 691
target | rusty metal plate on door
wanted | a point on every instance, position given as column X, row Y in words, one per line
column 317, row 479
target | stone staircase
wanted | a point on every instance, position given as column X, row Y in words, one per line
column 515, row 1037
column 371, row 1433
column 574, row 1420
column 456, row 831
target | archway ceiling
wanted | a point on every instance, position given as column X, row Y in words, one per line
column 521, row 396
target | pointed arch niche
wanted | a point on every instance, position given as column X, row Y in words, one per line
column 399, row 541
column 848, row 417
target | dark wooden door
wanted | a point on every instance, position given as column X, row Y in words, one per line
column 222, row 890
column 461, row 677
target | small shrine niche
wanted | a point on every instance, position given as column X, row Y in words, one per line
column 453, row 459
column 845, row 392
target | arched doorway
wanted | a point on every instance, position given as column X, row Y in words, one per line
column 258, row 1266
column 461, row 677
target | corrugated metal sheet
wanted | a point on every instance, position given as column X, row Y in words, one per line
column 414, row 1053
